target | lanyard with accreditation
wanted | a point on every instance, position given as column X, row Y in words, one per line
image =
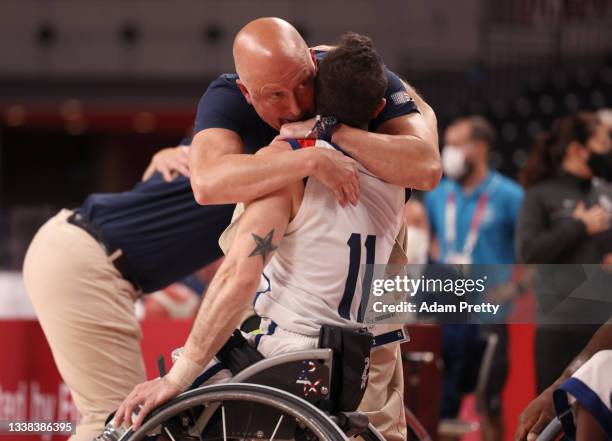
column 464, row 256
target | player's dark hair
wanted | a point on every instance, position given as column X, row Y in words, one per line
column 351, row 81
column 546, row 156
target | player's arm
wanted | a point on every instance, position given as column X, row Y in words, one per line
column 403, row 151
column 221, row 174
column 540, row 411
column 259, row 232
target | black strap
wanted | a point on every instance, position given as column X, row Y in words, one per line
column 78, row 220
column 121, row 262
column 161, row 365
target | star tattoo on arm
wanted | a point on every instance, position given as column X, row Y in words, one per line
column 264, row 245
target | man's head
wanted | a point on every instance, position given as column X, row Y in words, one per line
column 467, row 142
column 276, row 71
column 351, row 82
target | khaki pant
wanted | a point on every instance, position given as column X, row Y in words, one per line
column 86, row 310
column 383, row 401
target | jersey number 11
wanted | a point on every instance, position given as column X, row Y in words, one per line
column 354, row 243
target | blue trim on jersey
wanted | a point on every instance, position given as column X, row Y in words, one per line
column 271, row 329
column 337, row 147
column 588, row 399
column 268, row 289
column 207, row 374
column 295, row 145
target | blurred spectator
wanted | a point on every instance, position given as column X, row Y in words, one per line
column 605, row 115
column 473, row 211
column 180, row 299
column 472, row 215
column 565, row 219
column 418, row 233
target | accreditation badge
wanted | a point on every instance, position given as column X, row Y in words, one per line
column 459, row 259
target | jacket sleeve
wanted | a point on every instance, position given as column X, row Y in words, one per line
column 536, row 240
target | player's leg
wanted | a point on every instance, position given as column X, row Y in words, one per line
column 86, row 310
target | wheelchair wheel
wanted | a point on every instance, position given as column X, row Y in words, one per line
column 416, row 431
column 371, row 434
column 238, row 411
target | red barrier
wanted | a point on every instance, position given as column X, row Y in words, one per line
column 30, row 386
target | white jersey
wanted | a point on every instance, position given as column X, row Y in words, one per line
column 591, row 387
column 315, row 276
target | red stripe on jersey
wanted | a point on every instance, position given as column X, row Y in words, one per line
column 308, row 142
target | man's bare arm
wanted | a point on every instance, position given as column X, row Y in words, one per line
column 220, row 173
column 404, row 150
column 540, row 411
column 259, row 232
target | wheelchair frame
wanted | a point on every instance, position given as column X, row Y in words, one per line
column 551, row 432
column 240, row 389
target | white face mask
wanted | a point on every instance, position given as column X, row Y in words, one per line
column 418, row 245
column 454, row 164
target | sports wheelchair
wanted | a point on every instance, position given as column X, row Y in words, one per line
column 286, row 397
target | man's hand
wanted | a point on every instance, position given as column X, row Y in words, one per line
column 595, row 219
column 334, row 169
column 169, row 162
column 300, row 129
column 535, row 417
column 339, row 173
column 148, row 395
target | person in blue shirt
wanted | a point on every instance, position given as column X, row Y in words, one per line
column 86, row 266
column 473, row 188
column 472, row 216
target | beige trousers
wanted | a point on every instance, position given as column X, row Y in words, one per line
column 86, row 310
column 383, row 401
